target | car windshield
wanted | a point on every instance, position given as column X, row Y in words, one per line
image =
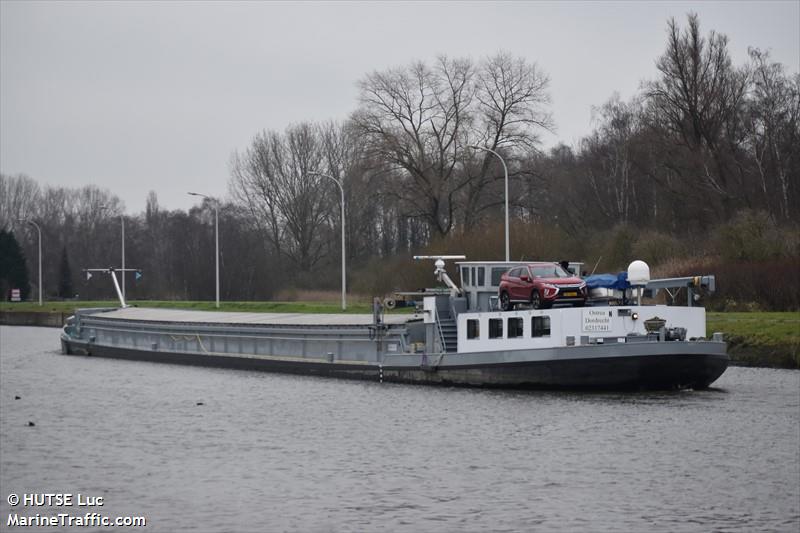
column 550, row 271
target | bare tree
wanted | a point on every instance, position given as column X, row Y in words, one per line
column 609, row 159
column 19, row 197
column 420, row 119
column 274, row 179
column 344, row 158
column 415, row 119
column 513, row 108
column 773, row 132
column 696, row 99
column 514, row 101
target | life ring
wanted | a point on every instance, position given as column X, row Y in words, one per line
column 390, row 303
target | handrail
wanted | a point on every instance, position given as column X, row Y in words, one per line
column 442, row 342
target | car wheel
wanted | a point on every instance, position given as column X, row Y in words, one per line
column 505, row 302
column 536, row 300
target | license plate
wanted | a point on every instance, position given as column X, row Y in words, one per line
column 570, row 294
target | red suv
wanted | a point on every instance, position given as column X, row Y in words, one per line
column 540, row 285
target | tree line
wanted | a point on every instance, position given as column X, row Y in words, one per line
column 704, row 147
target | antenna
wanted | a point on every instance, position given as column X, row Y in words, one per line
column 440, row 272
column 420, row 257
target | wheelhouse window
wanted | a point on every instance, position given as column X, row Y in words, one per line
column 481, row 276
column 473, row 329
column 495, row 328
column 497, row 272
column 540, row 326
column 514, row 327
column 465, row 275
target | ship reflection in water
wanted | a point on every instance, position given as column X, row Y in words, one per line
column 205, row 449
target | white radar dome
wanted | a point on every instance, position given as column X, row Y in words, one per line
column 638, row 273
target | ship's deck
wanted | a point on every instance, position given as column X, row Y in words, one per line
column 220, row 317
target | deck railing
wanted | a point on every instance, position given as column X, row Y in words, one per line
column 442, row 342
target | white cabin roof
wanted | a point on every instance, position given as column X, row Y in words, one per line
column 494, row 263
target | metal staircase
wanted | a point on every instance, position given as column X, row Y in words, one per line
column 448, row 331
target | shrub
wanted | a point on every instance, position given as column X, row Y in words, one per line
column 528, row 242
column 656, row 248
column 754, row 236
column 745, row 285
column 381, row 277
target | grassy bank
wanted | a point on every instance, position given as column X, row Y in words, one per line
column 755, row 339
column 760, row 338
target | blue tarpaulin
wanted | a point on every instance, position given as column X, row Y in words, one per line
column 608, row 281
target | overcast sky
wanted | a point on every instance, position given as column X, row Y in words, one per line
column 140, row 96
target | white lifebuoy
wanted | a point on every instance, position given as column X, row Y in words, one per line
column 390, row 303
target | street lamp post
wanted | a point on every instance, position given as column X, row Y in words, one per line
column 39, row 230
column 216, row 237
column 505, row 170
column 122, row 223
column 344, row 277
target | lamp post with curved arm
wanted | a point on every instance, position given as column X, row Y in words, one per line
column 39, row 230
column 216, row 237
column 505, row 170
column 344, row 280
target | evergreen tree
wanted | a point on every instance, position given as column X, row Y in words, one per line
column 13, row 267
column 65, row 276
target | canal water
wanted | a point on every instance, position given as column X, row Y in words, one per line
column 201, row 449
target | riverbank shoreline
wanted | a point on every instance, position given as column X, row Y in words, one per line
column 769, row 340
column 45, row 319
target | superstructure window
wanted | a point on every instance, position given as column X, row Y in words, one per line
column 514, row 327
column 495, row 328
column 473, row 329
column 465, row 275
column 497, row 272
column 481, row 276
column 540, row 326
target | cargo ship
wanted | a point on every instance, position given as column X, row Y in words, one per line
column 456, row 336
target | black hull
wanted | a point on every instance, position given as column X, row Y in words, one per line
column 644, row 372
column 630, row 372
